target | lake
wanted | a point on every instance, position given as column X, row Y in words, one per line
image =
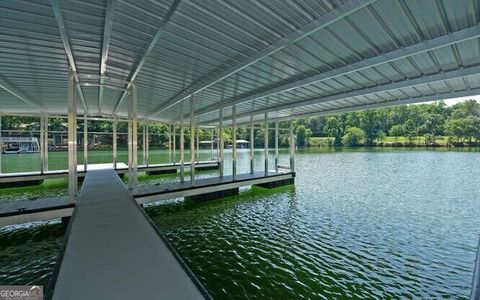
column 362, row 223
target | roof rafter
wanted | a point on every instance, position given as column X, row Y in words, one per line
column 410, row 100
column 107, row 33
column 68, row 50
column 458, row 73
column 424, row 46
column 322, row 22
column 156, row 38
column 7, row 87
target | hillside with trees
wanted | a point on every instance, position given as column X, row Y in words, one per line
column 431, row 124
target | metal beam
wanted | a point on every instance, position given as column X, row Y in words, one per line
column 4, row 85
column 252, row 140
column 426, row 79
column 107, row 33
column 192, row 139
column 234, row 142
column 292, row 147
column 132, row 139
column 276, row 146
column 422, row 47
column 170, row 143
column 156, row 38
column 265, row 141
column 182, row 145
column 85, row 142
column 318, row 24
column 114, row 144
column 221, row 146
column 68, row 50
column 72, row 138
column 410, row 100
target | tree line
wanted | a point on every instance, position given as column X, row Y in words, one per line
column 460, row 124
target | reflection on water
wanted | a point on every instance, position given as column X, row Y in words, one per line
column 362, row 223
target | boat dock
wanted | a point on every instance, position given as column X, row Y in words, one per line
column 107, row 257
column 36, row 178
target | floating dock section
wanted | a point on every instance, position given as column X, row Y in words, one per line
column 113, row 251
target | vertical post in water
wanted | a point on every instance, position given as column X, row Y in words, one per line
column 234, row 141
column 85, row 142
column 42, row 143
column 252, row 137
column 222, row 157
column 192, row 139
column 45, row 142
column 211, row 144
column 147, row 143
column 72, row 138
column 132, row 139
column 266, row 143
column 198, row 144
column 114, row 143
column 182, row 166
column 1, row 144
column 135, row 132
column 174, row 154
column 170, row 143
column 144, row 144
column 276, row 147
column 292, row 148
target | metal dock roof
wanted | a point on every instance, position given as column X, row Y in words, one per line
column 288, row 58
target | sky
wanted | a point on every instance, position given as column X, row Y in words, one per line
column 453, row 101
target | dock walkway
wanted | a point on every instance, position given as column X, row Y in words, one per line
column 113, row 251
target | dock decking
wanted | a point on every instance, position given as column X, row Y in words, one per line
column 10, row 178
column 35, row 210
column 145, row 194
column 114, row 252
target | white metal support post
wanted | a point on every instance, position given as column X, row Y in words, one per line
column 252, row 140
column 133, row 139
column 144, row 144
column 276, row 146
column 292, row 148
column 72, row 137
column 45, row 142
column 1, row 143
column 42, row 143
column 266, row 143
column 147, row 143
column 211, row 144
column 85, row 142
column 192, row 139
column 114, row 143
column 234, row 141
column 170, row 143
column 222, row 157
column 182, row 145
column 197, row 153
column 174, row 146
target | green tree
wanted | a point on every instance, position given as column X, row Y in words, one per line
column 334, row 128
column 370, row 125
column 396, row 131
column 303, row 134
column 410, row 130
column 354, row 136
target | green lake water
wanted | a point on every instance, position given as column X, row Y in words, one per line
column 363, row 224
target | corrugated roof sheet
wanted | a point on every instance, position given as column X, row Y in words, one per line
column 287, row 58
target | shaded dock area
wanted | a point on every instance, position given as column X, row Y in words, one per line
column 113, row 251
